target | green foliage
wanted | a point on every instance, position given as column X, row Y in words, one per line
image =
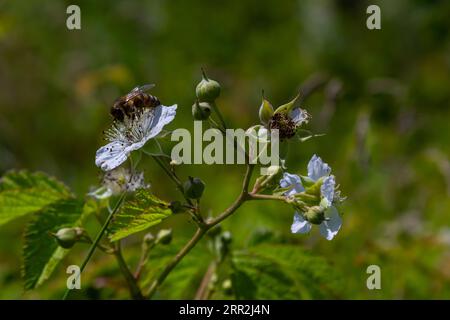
column 22, row 193
column 41, row 253
column 138, row 214
column 184, row 280
column 281, row 272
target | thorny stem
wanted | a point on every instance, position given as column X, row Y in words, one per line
column 98, row 238
column 135, row 291
column 201, row 230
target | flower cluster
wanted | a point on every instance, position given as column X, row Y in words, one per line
column 314, row 197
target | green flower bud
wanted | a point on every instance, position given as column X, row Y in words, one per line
column 164, row 236
column 201, row 110
column 67, row 237
column 315, row 215
column 193, row 188
column 176, row 207
column 227, row 286
column 226, row 237
column 207, row 90
column 149, row 239
column 265, row 112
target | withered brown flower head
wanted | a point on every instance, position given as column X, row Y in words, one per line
column 285, row 125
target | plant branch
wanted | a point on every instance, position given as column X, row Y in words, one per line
column 172, row 264
column 135, row 291
column 204, row 290
column 202, row 229
column 98, row 238
column 194, row 213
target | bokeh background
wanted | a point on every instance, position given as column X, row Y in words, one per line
column 380, row 96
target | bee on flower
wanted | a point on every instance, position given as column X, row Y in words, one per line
column 315, row 197
column 138, row 117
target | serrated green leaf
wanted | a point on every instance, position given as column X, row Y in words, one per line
column 41, row 253
column 22, row 193
column 136, row 215
column 281, row 272
column 184, row 280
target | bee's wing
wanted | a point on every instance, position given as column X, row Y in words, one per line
column 145, row 87
column 138, row 90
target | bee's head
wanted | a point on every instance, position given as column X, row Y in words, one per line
column 117, row 112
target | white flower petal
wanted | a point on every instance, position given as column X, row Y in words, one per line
column 111, row 156
column 327, row 189
column 299, row 116
column 329, row 229
column 132, row 135
column 300, row 225
column 289, row 180
column 317, row 168
column 160, row 116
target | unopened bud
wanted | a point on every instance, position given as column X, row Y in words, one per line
column 315, row 215
column 164, row 236
column 176, row 207
column 193, row 188
column 201, row 110
column 67, row 237
column 149, row 238
column 207, row 90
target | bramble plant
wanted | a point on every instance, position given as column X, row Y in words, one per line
column 125, row 204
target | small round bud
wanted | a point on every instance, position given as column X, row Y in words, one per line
column 226, row 237
column 164, row 236
column 227, row 286
column 193, row 188
column 175, row 162
column 176, row 207
column 315, row 215
column 207, row 90
column 201, row 110
column 149, row 238
column 66, row 237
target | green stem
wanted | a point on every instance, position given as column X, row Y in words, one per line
column 97, row 240
column 217, row 111
column 194, row 213
column 172, row 264
column 201, row 230
column 135, row 291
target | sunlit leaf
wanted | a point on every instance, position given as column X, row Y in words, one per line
column 22, row 193
column 136, row 215
column 41, row 253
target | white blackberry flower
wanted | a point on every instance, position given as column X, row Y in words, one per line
column 131, row 134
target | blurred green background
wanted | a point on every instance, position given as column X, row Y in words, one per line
column 382, row 100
